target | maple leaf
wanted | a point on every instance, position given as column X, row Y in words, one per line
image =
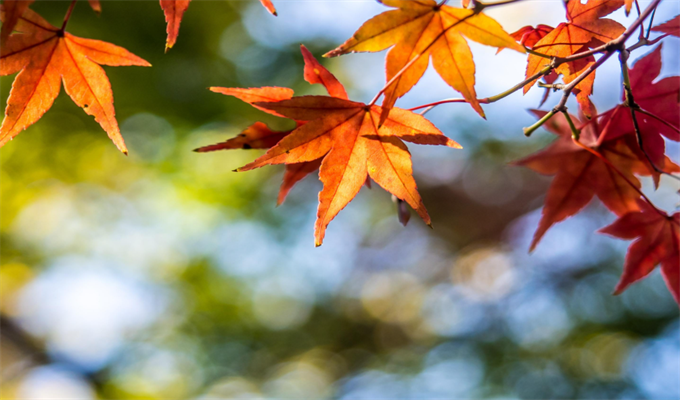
column 424, row 28
column 657, row 242
column 344, row 137
column 45, row 56
column 661, row 98
column 580, row 175
column 585, row 29
column 671, row 27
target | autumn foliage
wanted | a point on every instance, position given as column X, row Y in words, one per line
column 351, row 144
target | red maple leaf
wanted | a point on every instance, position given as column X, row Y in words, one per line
column 657, row 241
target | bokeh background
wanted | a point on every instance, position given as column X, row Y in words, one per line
column 165, row 275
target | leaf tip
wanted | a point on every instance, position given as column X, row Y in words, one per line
column 534, row 243
column 332, row 53
column 455, row 145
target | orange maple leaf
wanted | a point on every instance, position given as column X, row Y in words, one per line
column 174, row 11
column 585, row 29
column 671, row 27
column 45, row 56
column 657, row 242
column 344, row 135
column 424, row 28
column 580, row 174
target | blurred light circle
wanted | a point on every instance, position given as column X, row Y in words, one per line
column 484, row 274
column 233, row 388
column 609, row 352
column 393, row 297
column 299, row 380
column 282, row 303
column 149, row 137
column 54, row 383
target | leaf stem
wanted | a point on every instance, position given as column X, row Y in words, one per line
column 67, row 17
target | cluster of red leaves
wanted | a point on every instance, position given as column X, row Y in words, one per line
column 605, row 163
column 351, row 144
